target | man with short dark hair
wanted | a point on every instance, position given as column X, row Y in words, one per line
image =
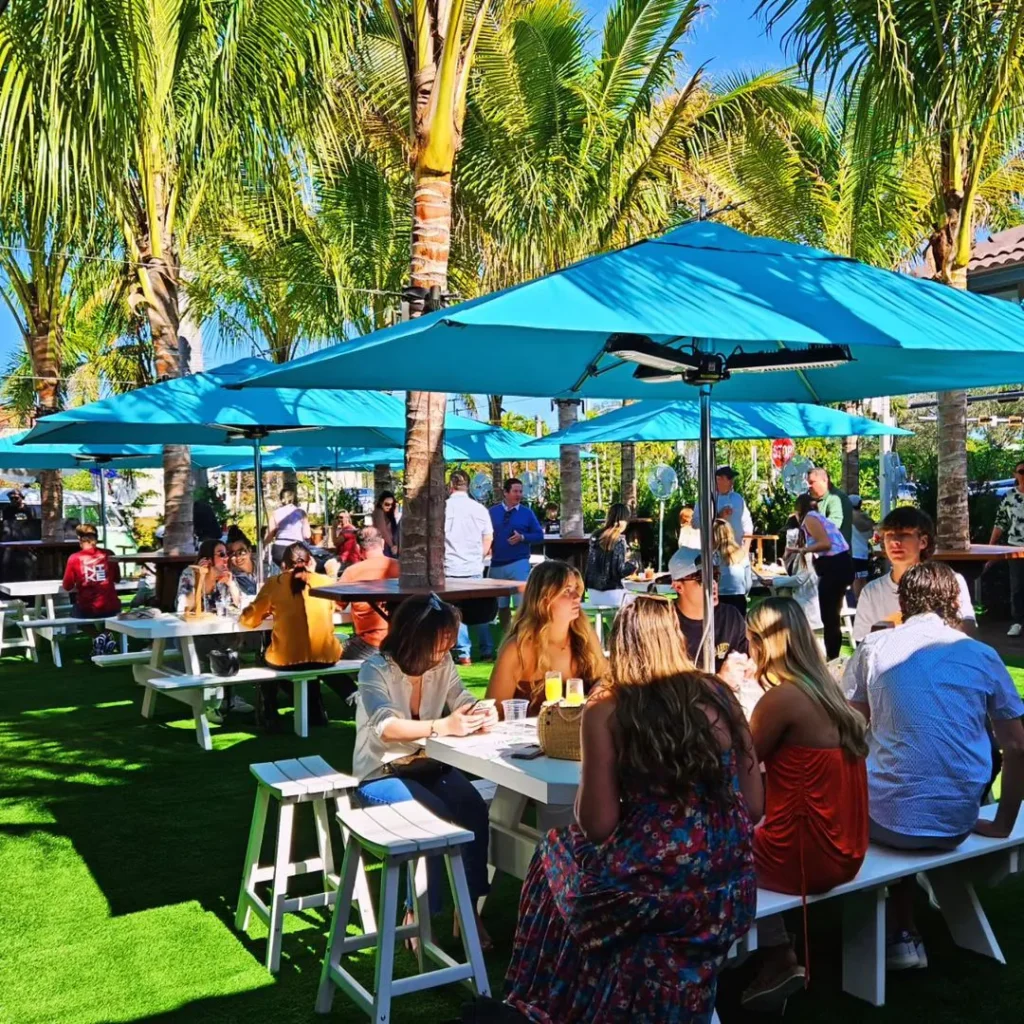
column 1009, row 529
column 515, row 529
column 467, row 542
column 928, row 692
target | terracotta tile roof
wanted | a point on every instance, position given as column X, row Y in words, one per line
column 1003, row 249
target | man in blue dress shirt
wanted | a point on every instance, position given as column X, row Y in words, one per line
column 515, row 529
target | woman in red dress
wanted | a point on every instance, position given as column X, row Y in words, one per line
column 811, row 742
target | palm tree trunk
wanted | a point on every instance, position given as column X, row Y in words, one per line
column 43, row 347
column 422, row 544
column 954, row 531
column 162, row 310
column 381, row 479
column 494, row 411
column 572, row 482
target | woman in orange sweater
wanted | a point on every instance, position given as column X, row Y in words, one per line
column 303, row 634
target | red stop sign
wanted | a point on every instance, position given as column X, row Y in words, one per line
column 782, row 451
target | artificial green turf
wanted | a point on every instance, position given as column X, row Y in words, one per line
column 121, row 847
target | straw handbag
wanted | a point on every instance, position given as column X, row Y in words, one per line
column 558, row 730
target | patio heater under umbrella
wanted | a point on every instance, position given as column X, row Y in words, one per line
column 703, row 307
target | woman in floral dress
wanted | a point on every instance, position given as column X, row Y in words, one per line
column 628, row 915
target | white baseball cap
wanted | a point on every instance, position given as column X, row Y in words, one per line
column 685, row 562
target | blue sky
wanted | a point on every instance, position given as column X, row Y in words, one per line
column 728, row 38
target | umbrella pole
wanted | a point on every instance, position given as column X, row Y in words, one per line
column 706, row 478
column 103, row 507
column 661, row 534
column 257, row 465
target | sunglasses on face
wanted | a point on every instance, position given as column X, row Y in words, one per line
column 238, row 553
column 220, row 554
column 698, row 577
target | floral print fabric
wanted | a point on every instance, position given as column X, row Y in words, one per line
column 635, row 929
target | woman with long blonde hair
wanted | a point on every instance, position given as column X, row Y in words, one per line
column 628, row 915
column 734, row 566
column 608, row 560
column 550, row 634
column 811, row 742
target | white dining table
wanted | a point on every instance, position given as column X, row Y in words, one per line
column 550, row 782
column 165, row 626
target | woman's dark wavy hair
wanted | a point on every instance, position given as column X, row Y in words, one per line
column 665, row 709
column 416, row 627
column 930, row 587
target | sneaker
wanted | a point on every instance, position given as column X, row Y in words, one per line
column 922, row 956
column 465, row 661
column 1015, row 630
column 99, row 644
column 901, row 952
column 769, row 994
column 110, row 647
column 215, row 715
column 241, row 706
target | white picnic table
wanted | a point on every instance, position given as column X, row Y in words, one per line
column 553, row 783
column 550, row 782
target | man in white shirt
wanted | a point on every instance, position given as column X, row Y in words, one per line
column 928, row 693
column 468, row 535
column 730, row 506
column 907, row 535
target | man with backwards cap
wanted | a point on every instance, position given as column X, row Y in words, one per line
column 730, row 506
column 688, row 582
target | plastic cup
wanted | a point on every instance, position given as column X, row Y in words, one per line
column 515, row 711
column 552, row 687
column 574, row 692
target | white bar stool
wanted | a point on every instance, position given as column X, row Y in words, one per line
column 309, row 780
column 403, row 833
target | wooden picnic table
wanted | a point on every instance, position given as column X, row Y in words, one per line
column 566, row 549
column 761, row 538
column 168, row 572
column 22, row 560
column 972, row 562
column 381, row 594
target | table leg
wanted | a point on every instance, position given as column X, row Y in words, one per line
column 512, row 844
column 190, row 656
column 300, row 692
column 864, row 945
column 54, row 634
column 963, row 911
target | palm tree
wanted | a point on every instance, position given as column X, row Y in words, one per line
column 569, row 151
column 48, row 218
column 945, row 80
column 196, row 96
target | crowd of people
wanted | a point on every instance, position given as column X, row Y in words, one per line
column 776, row 771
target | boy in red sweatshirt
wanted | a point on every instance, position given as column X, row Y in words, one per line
column 91, row 575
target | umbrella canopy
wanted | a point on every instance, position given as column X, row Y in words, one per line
column 702, row 283
column 498, row 445
column 731, row 421
column 200, row 410
column 16, row 455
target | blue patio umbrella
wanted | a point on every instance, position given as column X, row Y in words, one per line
column 16, row 455
column 498, row 445
column 702, row 306
column 200, row 409
column 654, row 420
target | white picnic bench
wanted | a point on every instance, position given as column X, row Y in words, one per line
column 48, row 619
column 191, row 686
column 553, row 783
